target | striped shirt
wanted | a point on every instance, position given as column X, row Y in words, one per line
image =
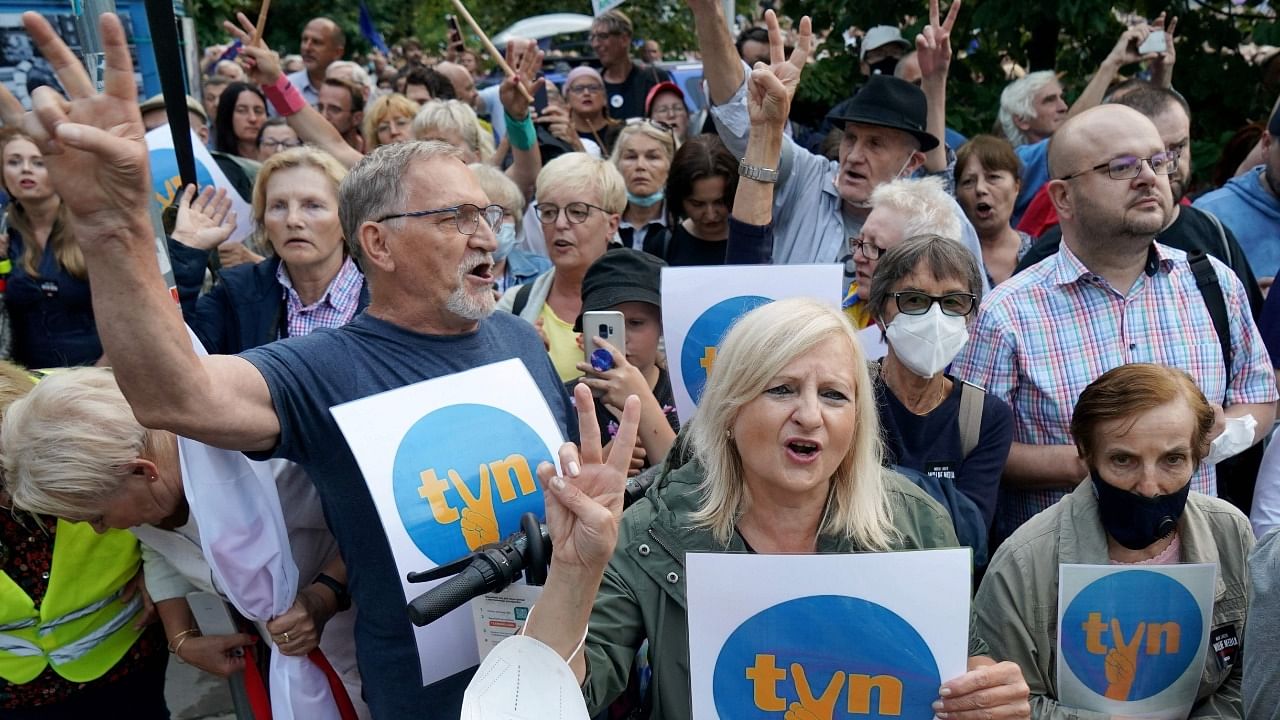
column 335, row 307
column 1046, row 333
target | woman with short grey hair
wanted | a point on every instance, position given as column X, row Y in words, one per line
column 923, row 294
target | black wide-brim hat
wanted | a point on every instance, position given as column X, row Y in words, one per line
column 621, row 275
column 887, row 101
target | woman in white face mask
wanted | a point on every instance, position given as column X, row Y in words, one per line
column 924, row 293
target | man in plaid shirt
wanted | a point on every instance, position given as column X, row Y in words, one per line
column 1110, row 296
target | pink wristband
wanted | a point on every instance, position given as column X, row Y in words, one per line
column 284, row 97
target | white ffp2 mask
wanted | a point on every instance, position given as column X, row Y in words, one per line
column 927, row 343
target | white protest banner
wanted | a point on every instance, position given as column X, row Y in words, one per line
column 166, row 182
column 826, row 636
column 450, row 463
column 1132, row 641
column 700, row 303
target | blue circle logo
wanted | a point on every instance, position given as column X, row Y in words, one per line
column 833, row 656
column 1129, row 635
column 463, row 476
column 699, row 351
column 166, row 181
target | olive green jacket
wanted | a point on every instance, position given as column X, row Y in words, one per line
column 1017, row 603
column 642, row 595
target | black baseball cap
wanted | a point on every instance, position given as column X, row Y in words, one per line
column 889, row 102
column 621, row 275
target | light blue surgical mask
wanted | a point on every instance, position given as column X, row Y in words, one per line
column 645, row 201
column 506, row 241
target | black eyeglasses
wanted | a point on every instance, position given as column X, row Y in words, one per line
column 603, row 35
column 466, row 216
column 585, row 89
column 869, row 249
column 577, row 212
column 1128, row 167
column 914, row 302
column 281, row 144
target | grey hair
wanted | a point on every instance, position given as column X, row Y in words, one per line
column 375, row 187
column 944, row 258
column 923, row 205
column 456, row 116
column 1017, row 102
column 70, row 443
column 756, row 349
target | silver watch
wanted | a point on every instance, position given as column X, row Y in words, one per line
column 757, row 173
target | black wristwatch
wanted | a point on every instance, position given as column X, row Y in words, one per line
column 339, row 590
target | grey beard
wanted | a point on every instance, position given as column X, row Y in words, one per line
column 468, row 307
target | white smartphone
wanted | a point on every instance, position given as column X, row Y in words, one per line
column 608, row 325
column 213, row 617
column 1155, row 43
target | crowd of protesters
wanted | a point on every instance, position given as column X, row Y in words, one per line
column 1046, row 344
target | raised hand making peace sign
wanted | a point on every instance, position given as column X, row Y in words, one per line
column 771, row 87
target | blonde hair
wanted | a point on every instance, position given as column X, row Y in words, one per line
column 500, row 189
column 457, row 116
column 923, row 204
column 67, row 446
column 580, row 173
column 65, row 248
column 305, row 156
column 380, row 109
column 665, row 138
column 756, row 349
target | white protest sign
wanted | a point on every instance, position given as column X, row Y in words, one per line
column 167, row 182
column 828, row 636
column 450, row 463
column 1132, row 641
column 700, row 303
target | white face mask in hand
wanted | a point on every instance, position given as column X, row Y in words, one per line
column 927, row 343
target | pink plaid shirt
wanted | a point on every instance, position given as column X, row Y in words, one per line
column 1047, row 332
column 334, row 309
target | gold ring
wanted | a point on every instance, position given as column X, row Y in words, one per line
column 284, row 637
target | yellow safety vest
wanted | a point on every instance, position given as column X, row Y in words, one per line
column 81, row 629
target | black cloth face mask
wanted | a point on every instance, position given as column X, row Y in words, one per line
column 1137, row 521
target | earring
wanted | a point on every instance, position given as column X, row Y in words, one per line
column 729, row 433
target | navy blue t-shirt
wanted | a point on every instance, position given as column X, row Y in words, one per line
column 307, row 376
column 931, row 444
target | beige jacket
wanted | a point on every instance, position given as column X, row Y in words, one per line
column 1017, row 603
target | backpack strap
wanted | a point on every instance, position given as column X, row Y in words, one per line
column 972, row 398
column 1214, row 302
column 522, row 298
column 1222, row 237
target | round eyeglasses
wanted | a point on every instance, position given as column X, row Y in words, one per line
column 465, row 216
column 577, row 212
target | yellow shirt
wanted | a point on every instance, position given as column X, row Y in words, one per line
column 565, row 353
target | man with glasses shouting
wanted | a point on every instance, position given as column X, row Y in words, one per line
column 1111, row 296
column 421, row 228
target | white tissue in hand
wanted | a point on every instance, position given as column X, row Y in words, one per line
column 1235, row 439
column 523, row 679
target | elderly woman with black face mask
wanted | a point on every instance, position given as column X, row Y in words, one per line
column 1142, row 430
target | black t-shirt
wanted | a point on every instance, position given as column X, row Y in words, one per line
column 1193, row 230
column 626, row 99
column 604, row 137
column 931, row 444
column 609, row 424
column 685, row 248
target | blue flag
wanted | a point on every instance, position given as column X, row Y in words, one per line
column 370, row 31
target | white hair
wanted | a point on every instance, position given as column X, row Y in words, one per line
column 923, row 204
column 456, row 116
column 1017, row 102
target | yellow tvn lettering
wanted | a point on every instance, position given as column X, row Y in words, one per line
column 476, row 517
column 708, row 359
column 1101, row 637
column 765, row 676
